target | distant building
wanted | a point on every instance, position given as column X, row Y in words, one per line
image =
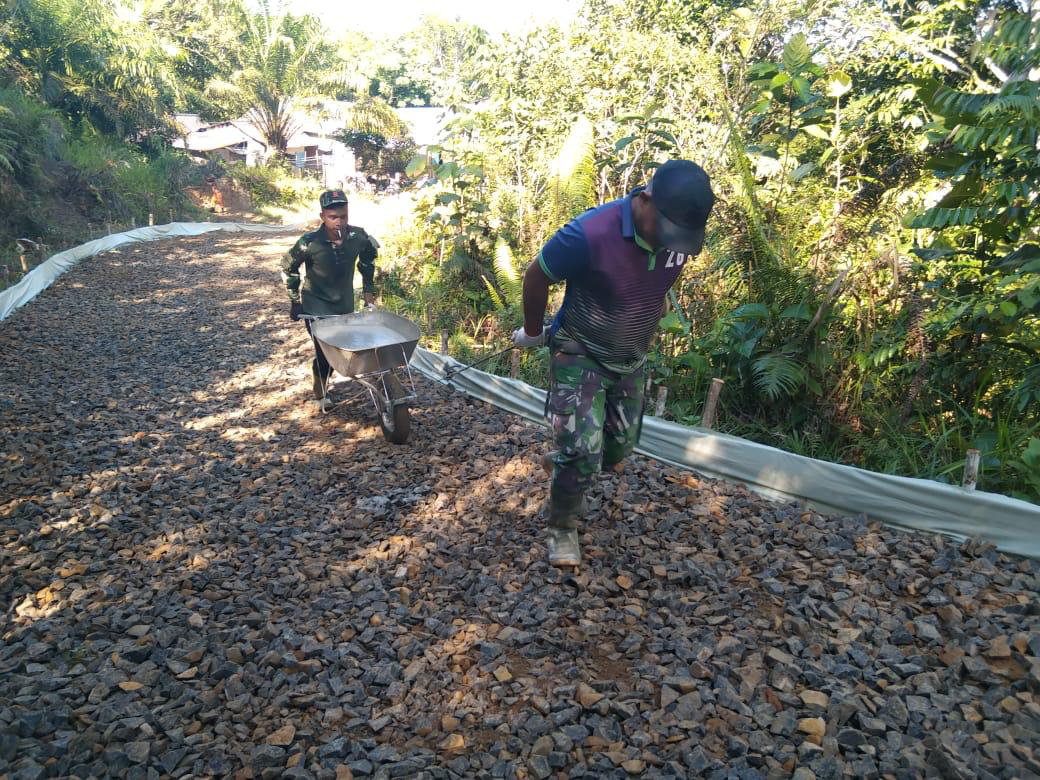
column 310, row 148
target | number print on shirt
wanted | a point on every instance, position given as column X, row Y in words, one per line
column 675, row 259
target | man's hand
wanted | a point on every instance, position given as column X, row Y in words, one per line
column 369, row 298
column 295, row 310
column 521, row 339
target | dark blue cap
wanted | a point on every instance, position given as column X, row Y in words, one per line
column 681, row 193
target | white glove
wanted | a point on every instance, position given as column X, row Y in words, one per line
column 521, row 339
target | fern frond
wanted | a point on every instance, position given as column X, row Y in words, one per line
column 572, row 173
column 496, row 299
column 777, row 375
column 507, row 275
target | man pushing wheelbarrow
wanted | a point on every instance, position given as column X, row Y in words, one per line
column 619, row 261
column 328, row 256
column 370, row 347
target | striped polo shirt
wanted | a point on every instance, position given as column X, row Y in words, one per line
column 616, row 284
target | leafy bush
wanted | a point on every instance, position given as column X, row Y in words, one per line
column 273, row 184
column 378, row 155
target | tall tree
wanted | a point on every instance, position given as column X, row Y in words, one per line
column 201, row 43
column 282, row 61
column 91, row 63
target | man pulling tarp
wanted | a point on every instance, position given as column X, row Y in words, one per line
column 618, row 261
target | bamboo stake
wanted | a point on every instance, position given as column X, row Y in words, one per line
column 708, row 418
column 151, row 219
column 971, row 470
column 662, row 396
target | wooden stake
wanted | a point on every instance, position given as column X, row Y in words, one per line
column 708, row 418
column 514, row 364
column 25, row 265
column 662, row 396
column 971, row 470
column 151, row 219
column 444, row 342
column 133, row 222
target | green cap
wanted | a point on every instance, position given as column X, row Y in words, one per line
column 332, row 198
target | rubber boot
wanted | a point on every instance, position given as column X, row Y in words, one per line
column 563, row 513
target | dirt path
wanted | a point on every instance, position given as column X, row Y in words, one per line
column 201, row 578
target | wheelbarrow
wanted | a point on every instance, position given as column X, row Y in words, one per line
column 373, row 347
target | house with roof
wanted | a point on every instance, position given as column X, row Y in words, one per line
column 234, row 141
column 310, row 148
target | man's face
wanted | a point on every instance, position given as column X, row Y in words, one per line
column 645, row 216
column 335, row 220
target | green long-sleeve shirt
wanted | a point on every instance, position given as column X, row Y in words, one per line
column 328, row 284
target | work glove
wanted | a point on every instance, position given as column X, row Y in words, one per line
column 521, row 339
column 295, row 310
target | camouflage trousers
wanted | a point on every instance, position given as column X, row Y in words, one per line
column 596, row 417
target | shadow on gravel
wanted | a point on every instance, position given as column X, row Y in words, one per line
column 202, row 578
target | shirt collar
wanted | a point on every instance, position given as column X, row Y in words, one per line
column 628, row 222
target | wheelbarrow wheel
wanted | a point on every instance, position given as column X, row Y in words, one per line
column 396, row 420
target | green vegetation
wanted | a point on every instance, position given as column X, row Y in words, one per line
column 280, row 62
column 87, row 96
column 870, row 288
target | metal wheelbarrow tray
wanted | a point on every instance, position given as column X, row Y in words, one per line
column 366, row 342
column 367, row 347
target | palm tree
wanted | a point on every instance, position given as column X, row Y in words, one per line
column 90, row 61
column 371, row 114
column 283, row 61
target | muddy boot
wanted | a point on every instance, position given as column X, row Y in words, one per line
column 563, row 514
column 564, row 548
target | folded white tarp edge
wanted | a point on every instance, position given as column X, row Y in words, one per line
column 906, row 502
column 43, row 275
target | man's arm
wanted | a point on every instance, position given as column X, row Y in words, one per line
column 565, row 256
column 291, row 263
column 367, row 267
column 536, row 298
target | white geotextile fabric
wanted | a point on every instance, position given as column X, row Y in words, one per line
column 921, row 504
column 41, row 277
